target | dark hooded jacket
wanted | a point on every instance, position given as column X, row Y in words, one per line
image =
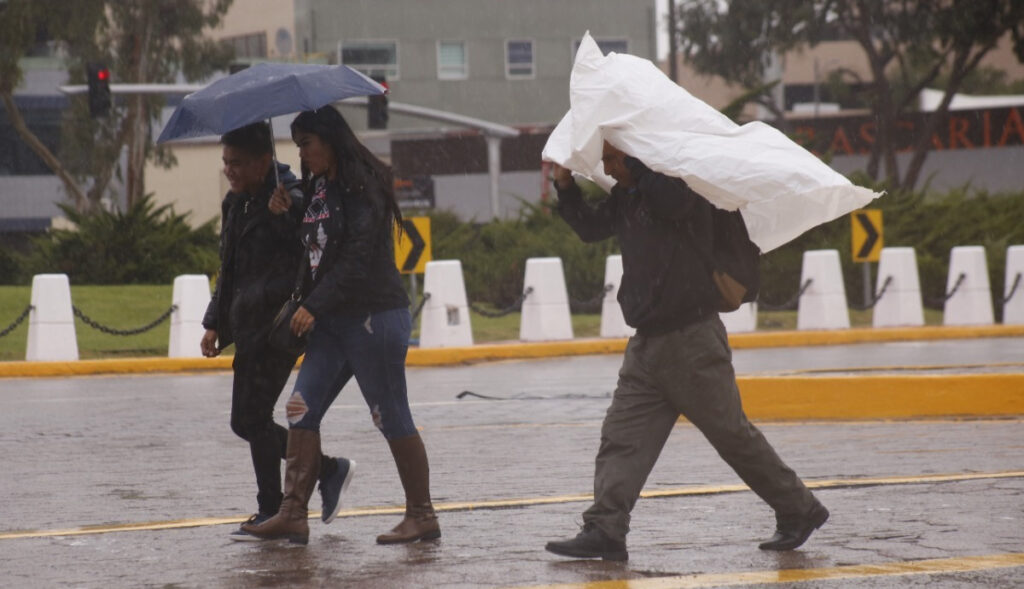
column 665, row 284
column 259, row 253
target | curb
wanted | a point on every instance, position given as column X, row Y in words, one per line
column 524, row 350
column 874, row 397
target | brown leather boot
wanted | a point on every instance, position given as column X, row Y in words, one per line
column 420, row 522
column 301, row 473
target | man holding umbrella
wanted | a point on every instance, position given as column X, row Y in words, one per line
column 260, row 253
column 678, row 363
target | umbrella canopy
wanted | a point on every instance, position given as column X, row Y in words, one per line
column 780, row 188
column 263, row 91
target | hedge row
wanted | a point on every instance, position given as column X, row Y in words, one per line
column 152, row 245
column 494, row 254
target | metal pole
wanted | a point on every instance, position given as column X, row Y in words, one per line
column 867, row 283
column 412, row 288
column 673, row 67
column 494, row 169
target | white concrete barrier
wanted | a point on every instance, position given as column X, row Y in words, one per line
column 971, row 304
column 444, row 320
column 823, row 304
column 51, row 323
column 1013, row 310
column 546, row 309
column 192, row 295
column 900, row 304
column 742, row 319
column 613, row 324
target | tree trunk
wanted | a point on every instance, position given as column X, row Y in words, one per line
column 135, row 184
column 81, row 202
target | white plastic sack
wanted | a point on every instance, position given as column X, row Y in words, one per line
column 780, row 188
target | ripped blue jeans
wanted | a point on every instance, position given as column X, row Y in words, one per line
column 370, row 347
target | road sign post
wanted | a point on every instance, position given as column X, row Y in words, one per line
column 412, row 250
column 866, row 240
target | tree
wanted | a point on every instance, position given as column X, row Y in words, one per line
column 21, row 22
column 909, row 46
column 142, row 41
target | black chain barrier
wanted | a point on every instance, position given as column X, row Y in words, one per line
column 111, row 331
column 419, row 307
column 874, row 301
column 17, row 322
column 506, row 311
column 592, row 304
column 941, row 302
column 789, row 305
column 1013, row 289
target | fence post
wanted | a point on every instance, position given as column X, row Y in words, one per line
column 971, row 304
column 823, row 304
column 613, row 324
column 191, row 294
column 444, row 319
column 901, row 304
column 51, row 323
column 546, row 311
column 742, row 319
column 1013, row 310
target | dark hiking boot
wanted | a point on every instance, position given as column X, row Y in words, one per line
column 241, row 535
column 792, row 531
column 332, row 486
column 591, row 542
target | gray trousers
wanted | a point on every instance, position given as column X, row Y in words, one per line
column 689, row 372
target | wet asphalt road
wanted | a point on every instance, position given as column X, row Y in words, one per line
column 116, row 450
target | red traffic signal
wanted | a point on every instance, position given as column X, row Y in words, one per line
column 98, row 77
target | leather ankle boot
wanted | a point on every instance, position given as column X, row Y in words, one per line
column 300, row 477
column 420, row 522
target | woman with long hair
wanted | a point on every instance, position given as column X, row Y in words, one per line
column 355, row 313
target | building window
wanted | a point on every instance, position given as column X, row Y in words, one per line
column 606, row 45
column 374, row 58
column 248, row 46
column 519, row 59
column 451, row 60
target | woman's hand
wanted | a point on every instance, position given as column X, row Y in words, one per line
column 302, row 322
column 280, row 201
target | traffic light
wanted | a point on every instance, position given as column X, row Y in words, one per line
column 99, row 89
column 377, row 108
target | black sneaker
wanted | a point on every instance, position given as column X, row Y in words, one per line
column 241, row 535
column 792, row 531
column 333, row 486
column 591, row 542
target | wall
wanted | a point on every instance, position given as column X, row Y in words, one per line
column 484, row 25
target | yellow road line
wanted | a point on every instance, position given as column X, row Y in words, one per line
column 962, row 564
column 514, row 503
column 526, row 350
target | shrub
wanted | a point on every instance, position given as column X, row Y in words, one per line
column 494, row 254
column 146, row 244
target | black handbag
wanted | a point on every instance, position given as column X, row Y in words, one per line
column 281, row 336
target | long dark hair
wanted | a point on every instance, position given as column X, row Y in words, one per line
column 356, row 164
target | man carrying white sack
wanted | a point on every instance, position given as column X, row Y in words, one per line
column 679, row 361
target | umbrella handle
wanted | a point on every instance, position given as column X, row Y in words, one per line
column 273, row 152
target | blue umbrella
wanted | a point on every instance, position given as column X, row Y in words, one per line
column 263, row 91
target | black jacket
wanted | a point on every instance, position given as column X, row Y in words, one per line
column 357, row 273
column 665, row 284
column 259, row 253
